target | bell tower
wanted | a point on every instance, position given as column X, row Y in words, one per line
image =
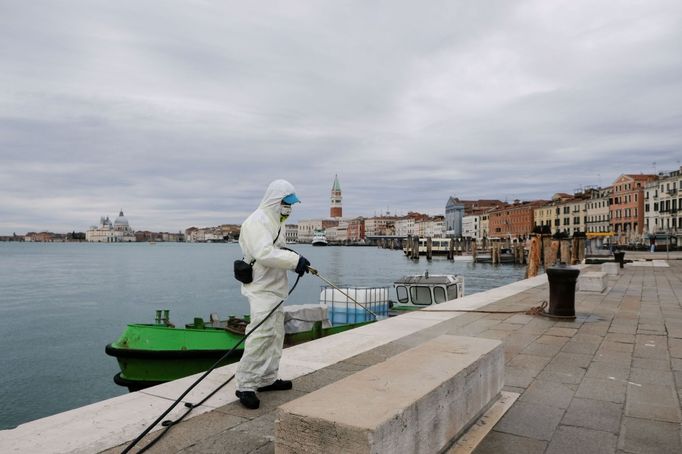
column 335, row 203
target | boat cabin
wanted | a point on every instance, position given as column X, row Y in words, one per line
column 417, row 291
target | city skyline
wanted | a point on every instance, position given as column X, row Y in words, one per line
column 182, row 115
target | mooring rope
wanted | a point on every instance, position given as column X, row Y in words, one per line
column 535, row 310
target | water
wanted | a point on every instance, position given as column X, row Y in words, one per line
column 60, row 304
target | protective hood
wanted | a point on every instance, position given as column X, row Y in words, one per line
column 274, row 194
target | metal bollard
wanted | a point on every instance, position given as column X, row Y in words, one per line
column 619, row 257
column 562, row 280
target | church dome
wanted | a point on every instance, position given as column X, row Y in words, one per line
column 121, row 220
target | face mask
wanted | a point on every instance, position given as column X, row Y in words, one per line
column 284, row 212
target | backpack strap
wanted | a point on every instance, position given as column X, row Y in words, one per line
column 273, row 242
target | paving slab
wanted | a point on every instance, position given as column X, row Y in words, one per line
column 658, row 402
column 647, row 436
column 503, row 443
column 594, row 414
column 569, row 439
column 531, row 420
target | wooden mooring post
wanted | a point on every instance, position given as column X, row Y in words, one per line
column 451, row 249
column 415, row 247
column 533, row 257
column 429, row 248
column 547, row 259
column 566, row 252
column 554, row 247
column 474, row 250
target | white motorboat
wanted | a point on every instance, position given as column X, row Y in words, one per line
column 319, row 238
column 419, row 291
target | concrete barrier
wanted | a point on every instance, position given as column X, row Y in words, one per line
column 592, row 282
column 610, row 268
column 418, row 401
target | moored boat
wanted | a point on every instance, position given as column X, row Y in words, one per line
column 419, row 291
column 151, row 354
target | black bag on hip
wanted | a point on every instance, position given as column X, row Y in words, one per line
column 243, row 271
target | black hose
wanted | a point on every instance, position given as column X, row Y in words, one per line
column 169, row 424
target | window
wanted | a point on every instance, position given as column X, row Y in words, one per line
column 452, row 291
column 439, row 294
column 420, row 295
column 402, row 294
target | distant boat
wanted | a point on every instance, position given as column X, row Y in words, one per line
column 319, row 238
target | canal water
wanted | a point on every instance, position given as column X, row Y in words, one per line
column 61, row 303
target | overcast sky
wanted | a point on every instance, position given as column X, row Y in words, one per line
column 181, row 113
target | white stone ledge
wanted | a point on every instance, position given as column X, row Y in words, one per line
column 416, row 401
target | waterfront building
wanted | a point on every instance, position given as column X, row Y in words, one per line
column 380, row 226
column 484, row 226
column 433, row 227
column 356, row 230
column 42, row 237
column 471, row 226
column 191, row 234
column 626, row 209
column 405, row 226
column 543, row 216
column 475, row 224
column 172, row 237
column 663, row 205
column 515, row 220
column 454, row 212
column 338, row 233
column 456, row 209
column 335, row 209
column 291, row 233
column 598, row 219
column 306, row 228
column 107, row 232
column 565, row 213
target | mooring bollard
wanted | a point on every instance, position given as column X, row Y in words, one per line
column 562, row 280
column 620, row 258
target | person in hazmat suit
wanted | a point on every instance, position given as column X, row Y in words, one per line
column 261, row 239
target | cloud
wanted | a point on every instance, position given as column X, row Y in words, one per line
column 181, row 113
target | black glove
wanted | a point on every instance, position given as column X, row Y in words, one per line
column 302, row 266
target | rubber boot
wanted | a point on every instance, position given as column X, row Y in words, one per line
column 278, row 385
column 248, row 399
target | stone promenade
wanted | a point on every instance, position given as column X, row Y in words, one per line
column 608, row 382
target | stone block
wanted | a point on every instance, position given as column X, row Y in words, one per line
column 419, row 400
column 592, row 282
column 610, row 268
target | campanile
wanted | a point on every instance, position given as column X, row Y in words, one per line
column 335, row 205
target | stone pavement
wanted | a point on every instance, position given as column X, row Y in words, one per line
column 608, row 382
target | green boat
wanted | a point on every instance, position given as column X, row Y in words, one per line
column 151, row 354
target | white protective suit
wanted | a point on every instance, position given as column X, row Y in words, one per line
column 263, row 349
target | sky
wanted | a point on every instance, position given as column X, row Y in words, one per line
column 182, row 112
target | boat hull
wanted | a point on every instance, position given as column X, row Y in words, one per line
column 149, row 355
